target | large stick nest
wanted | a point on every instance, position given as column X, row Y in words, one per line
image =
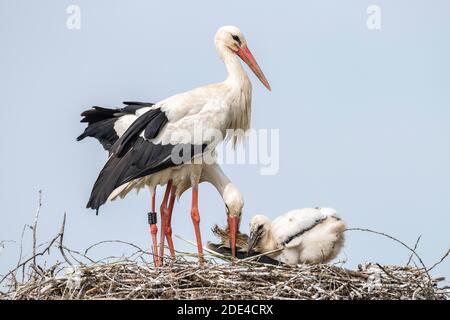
column 79, row 276
column 187, row 280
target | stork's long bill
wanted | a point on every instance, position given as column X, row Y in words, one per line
column 246, row 56
column 233, row 226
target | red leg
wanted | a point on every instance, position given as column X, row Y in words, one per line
column 154, row 200
column 153, row 230
column 196, row 220
column 169, row 223
column 164, row 214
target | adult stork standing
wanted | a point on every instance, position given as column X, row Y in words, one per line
column 107, row 125
column 154, row 148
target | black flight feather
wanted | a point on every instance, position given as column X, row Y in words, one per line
column 101, row 122
column 142, row 159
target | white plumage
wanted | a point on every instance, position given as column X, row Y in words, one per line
column 211, row 173
column 310, row 235
column 200, row 114
column 149, row 138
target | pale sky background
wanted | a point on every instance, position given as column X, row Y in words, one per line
column 364, row 116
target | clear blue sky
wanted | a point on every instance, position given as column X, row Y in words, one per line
column 363, row 115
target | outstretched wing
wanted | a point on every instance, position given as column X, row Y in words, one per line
column 136, row 154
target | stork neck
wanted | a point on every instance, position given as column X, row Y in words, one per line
column 237, row 77
column 241, row 92
column 214, row 174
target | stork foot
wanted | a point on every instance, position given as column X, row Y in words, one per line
column 164, row 220
column 168, row 231
column 196, row 220
column 162, row 237
column 170, row 241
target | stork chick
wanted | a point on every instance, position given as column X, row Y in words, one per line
column 310, row 235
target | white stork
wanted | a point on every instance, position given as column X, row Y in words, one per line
column 302, row 235
column 154, row 137
column 103, row 124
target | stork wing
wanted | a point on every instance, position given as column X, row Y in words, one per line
column 135, row 155
column 107, row 125
column 289, row 227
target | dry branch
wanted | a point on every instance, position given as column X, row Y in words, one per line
column 35, row 224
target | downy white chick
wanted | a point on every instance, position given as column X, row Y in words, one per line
column 310, row 235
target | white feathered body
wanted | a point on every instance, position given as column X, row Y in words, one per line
column 203, row 116
column 310, row 235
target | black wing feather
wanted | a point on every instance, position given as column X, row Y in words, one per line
column 101, row 122
column 134, row 156
column 138, row 104
column 153, row 118
column 143, row 159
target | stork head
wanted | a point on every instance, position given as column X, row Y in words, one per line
column 234, row 202
column 259, row 230
column 231, row 38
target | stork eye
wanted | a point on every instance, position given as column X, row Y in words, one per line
column 236, row 38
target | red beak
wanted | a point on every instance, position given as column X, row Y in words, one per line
column 233, row 225
column 247, row 57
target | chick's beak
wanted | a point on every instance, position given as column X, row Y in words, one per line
column 252, row 241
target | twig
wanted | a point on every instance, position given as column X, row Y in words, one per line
column 32, row 258
column 440, row 261
column 71, row 252
column 114, row 241
column 261, row 254
column 21, row 245
column 204, row 248
column 388, row 273
column 396, row 240
column 36, row 218
column 61, row 238
column 415, row 248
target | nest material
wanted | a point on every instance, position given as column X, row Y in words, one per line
column 223, row 234
column 81, row 277
column 187, row 280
